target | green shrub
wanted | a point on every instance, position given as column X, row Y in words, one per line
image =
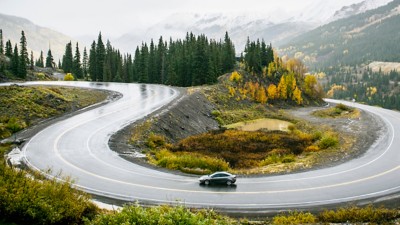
column 165, row 215
column 328, row 141
column 216, row 113
column 288, row 158
column 278, row 158
column 41, row 202
column 155, row 141
column 189, row 162
column 343, row 107
column 295, row 218
column 40, row 76
column 355, row 214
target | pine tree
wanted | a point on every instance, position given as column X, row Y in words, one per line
column 143, row 66
column 76, row 64
column 3, row 60
column 228, row 55
column 153, row 75
column 15, row 61
column 67, row 61
column 85, row 61
column 136, row 65
column 49, row 59
column 93, row 62
column 40, row 61
column 24, row 57
column 9, row 49
column 100, row 57
column 1, row 42
column 31, row 61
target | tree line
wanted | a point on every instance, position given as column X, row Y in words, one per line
column 16, row 61
column 194, row 60
column 364, row 85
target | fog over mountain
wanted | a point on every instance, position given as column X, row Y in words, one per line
column 278, row 27
column 38, row 38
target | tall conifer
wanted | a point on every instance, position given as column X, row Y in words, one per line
column 77, row 66
column 67, row 59
column 49, row 59
column 24, row 57
column 100, row 57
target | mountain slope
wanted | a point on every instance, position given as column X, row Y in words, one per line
column 215, row 25
column 38, row 38
column 370, row 36
column 278, row 26
column 358, row 8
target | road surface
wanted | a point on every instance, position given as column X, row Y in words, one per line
column 78, row 147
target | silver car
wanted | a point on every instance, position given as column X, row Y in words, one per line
column 218, row 178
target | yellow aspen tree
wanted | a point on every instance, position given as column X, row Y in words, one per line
column 232, row 91
column 297, row 96
column 252, row 87
column 235, row 76
column 282, row 88
column 310, row 81
column 271, row 69
column 69, row 77
column 272, row 91
column 261, row 96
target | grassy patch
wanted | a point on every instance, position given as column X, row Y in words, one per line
column 189, row 162
column 24, row 106
column 242, row 149
column 294, row 218
column 355, row 214
column 345, row 215
column 339, row 111
column 166, row 215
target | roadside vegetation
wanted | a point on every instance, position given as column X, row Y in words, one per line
column 23, row 106
column 338, row 111
column 24, row 200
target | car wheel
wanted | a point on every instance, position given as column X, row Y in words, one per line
column 229, row 182
column 207, row 182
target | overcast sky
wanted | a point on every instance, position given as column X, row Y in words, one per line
column 88, row 17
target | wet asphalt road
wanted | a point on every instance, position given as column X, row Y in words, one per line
column 78, row 147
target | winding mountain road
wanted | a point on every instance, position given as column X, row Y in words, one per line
column 78, row 147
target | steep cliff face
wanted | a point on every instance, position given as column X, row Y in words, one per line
column 189, row 116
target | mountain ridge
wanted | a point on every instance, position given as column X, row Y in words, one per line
column 38, row 38
column 369, row 36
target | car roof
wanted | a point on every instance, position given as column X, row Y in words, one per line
column 222, row 172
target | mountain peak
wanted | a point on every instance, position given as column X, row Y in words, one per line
column 354, row 9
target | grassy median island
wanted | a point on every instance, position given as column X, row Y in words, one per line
column 338, row 111
column 244, row 152
column 254, row 137
column 24, row 106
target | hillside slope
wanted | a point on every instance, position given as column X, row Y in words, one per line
column 38, row 38
column 370, row 36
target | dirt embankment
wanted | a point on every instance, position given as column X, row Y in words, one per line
column 188, row 115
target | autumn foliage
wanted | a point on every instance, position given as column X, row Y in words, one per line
column 276, row 81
